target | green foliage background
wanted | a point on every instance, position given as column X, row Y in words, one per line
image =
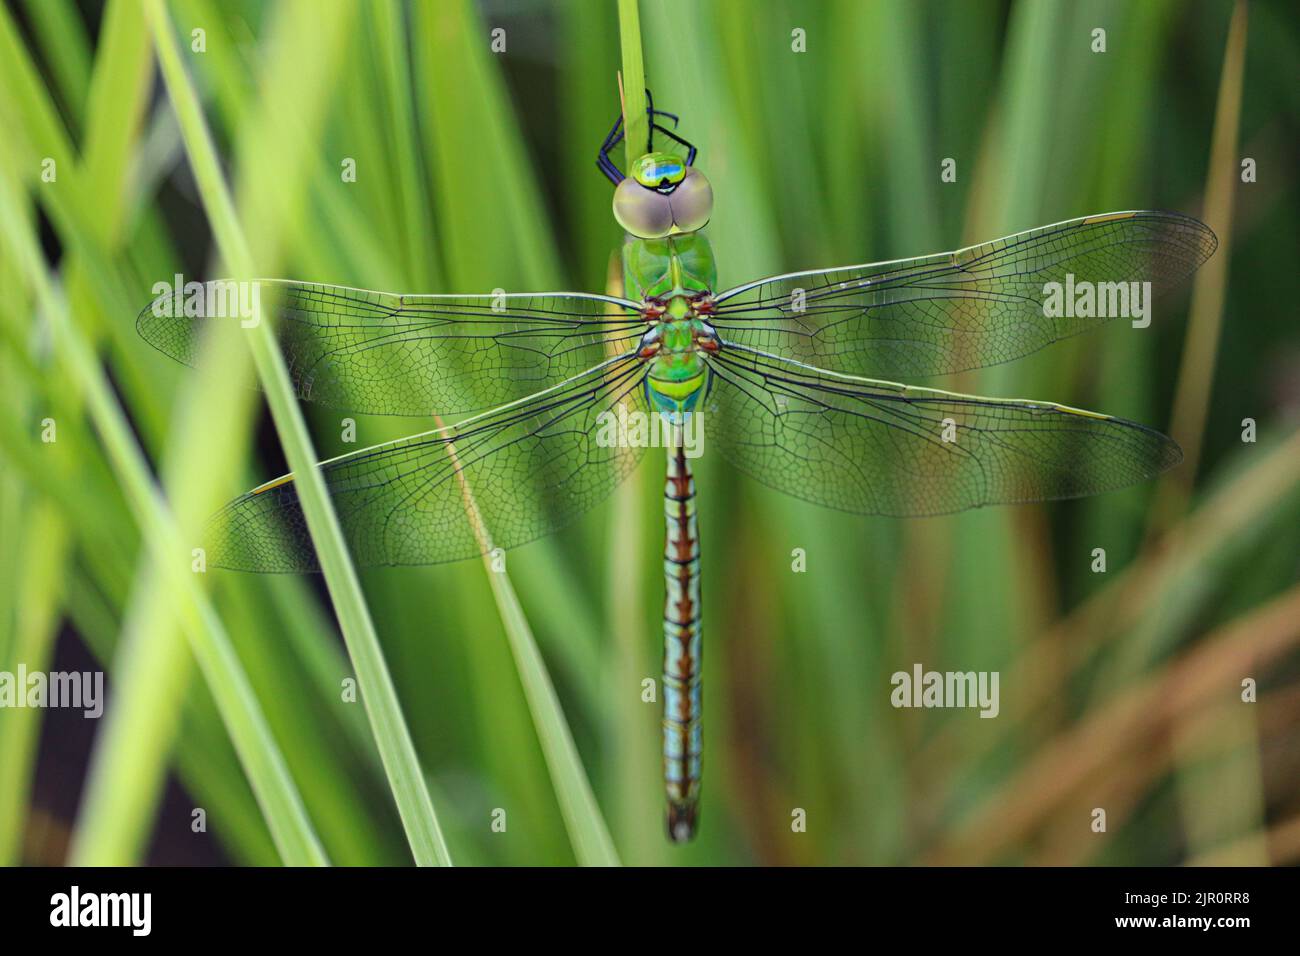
column 476, row 170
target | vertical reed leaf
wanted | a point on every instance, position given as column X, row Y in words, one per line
column 378, row 694
column 635, row 123
column 280, row 801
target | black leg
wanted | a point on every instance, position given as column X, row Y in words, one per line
column 603, row 162
column 690, row 150
column 607, row 165
column 650, row 114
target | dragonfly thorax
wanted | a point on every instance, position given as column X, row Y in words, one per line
column 678, row 375
column 674, row 278
column 660, row 269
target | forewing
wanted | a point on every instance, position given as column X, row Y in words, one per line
column 957, row 310
column 878, row 448
column 498, row 480
column 388, row 354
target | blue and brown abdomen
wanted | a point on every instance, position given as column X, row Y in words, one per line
column 682, row 687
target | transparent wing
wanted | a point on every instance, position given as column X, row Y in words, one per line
column 388, row 354
column 878, row 448
column 958, row 310
column 526, row 469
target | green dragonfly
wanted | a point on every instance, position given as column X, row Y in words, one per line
column 775, row 369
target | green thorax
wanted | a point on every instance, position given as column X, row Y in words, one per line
column 674, row 271
column 680, row 265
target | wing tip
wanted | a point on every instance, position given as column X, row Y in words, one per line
column 253, row 534
column 172, row 335
column 1204, row 240
column 1171, row 454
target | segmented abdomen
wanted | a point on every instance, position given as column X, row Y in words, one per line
column 683, row 736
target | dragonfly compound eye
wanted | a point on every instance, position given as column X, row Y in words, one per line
column 692, row 202
column 652, row 214
column 643, row 212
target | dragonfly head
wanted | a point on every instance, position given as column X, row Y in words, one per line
column 664, row 196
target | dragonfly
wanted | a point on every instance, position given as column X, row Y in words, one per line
column 793, row 378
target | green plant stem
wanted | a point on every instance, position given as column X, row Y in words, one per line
column 396, row 749
column 635, row 124
column 275, row 791
column 1196, row 370
column 38, row 589
column 592, row 844
column 588, row 833
column 152, row 665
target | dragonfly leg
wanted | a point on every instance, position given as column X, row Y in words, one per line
column 607, row 166
column 603, row 162
column 683, row 732
column 690, row 149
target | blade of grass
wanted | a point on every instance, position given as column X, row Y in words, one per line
column 582, row 817
column 34, row 567
column 378, row 694
column 358, row 256
column 263, row 763
column 1186, row 686
column 323, row 244
column 12, row 525
column 1220, row 792
column 464, row 88
column 38, row 589
column 26, row 108
column 202, row 460
column 390, row 37
column 119, row 86
column 1196, row 371
column 151, row 664
column 73, row 475
column 61, row 33
column 632, row 727
column 635, row 124
column 628, row 726
column 357, row 252
column 592, row 844
column 1281, row 844
column 634, row 755
column 205, row 760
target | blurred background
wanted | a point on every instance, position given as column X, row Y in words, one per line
column 1120, row 690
